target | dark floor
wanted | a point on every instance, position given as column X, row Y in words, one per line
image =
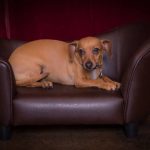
column 77, row 138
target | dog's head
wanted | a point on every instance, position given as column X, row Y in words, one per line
column 89, row 52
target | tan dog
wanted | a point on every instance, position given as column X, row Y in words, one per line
column 40, row 63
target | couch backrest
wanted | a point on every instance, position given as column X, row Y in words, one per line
column 125, row 42
column 7, row 46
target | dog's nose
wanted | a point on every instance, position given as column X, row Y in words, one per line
column 89, row 65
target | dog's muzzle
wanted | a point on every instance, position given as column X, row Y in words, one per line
column 89, row 66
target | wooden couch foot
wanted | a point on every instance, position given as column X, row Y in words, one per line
column 5, row 132
column 131, row 130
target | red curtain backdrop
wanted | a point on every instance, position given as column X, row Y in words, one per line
column 67, row 19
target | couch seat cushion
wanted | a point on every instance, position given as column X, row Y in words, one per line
column 67, row 105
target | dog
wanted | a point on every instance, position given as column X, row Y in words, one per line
column 41, row 63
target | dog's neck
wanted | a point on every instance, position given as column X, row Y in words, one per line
column 93, row 75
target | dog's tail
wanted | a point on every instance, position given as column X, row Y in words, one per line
column 29, row 81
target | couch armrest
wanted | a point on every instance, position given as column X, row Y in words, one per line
column 7, row 92
column 136, row 85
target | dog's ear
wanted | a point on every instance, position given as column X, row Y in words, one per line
column 107, row 46
column 72, row 48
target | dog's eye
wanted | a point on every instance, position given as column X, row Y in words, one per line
column 95, row 50
column 81, row 52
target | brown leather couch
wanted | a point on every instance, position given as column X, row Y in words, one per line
column 67, row 105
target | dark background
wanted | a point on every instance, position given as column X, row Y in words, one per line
column 67, row 19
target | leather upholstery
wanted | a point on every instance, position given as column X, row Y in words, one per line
column 68, row 105
column 7, row 92
column 125, row 41
column 7, row 46
column 136, row 83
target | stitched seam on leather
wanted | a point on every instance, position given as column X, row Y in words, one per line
column 129, row 84
column 10, row 90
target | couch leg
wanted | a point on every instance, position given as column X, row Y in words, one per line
column 131, row 130
column 5, row 132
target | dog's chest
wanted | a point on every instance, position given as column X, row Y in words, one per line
column 93, row 74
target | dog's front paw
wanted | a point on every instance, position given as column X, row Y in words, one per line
column 112, row 86
column 118, row 85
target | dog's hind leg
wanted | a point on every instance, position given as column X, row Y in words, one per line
column 36, row 80
column 42, row 83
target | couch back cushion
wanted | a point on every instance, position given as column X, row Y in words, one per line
column 7, row 47
column 126, row 41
